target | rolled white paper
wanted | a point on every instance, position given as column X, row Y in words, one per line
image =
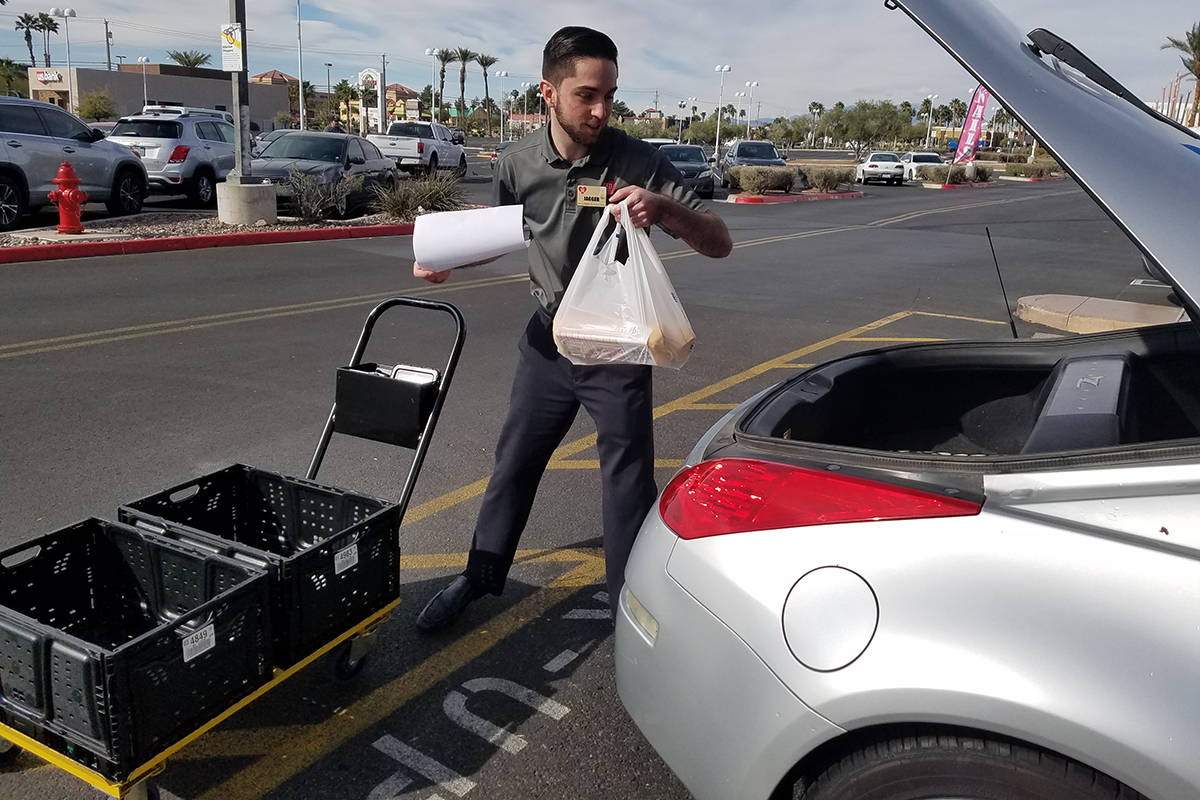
column 451, row 239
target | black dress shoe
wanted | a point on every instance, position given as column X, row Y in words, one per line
column 446, row 605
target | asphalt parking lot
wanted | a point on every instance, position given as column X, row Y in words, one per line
column 124, row 376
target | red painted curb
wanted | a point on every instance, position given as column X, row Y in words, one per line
column 48, row 252
column 795, row 198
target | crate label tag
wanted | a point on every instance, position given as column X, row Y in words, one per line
column 199, row 642
column 344, row 559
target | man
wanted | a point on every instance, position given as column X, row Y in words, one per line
column 548, row 171
column 335, row 126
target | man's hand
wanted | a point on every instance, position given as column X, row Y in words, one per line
column 645, row 207
column 430, row 275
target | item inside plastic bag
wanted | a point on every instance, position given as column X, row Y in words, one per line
column 622, row 313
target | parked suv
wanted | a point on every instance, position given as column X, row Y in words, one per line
column 747, row 153
column 36, row 137
column 184, row 153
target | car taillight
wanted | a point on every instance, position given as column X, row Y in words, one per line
column 420, row 147
column 179, row 154
column 736, row 495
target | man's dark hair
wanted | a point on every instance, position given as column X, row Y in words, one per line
column 570, row 44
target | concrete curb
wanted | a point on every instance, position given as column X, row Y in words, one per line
column 982, row 185
column 1077, row 314
column 1023, row 179
column 49, row 252
column 793, row 198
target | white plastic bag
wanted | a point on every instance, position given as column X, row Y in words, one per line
column 614, row 313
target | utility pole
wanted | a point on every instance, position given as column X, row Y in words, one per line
column 241, row 101
column 382, row 92
column 656, row 99
column 108, row 45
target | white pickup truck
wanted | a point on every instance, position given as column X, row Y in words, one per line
column 421, row 147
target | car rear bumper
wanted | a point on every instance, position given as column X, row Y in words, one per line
column 716, row 714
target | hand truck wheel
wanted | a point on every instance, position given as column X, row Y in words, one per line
column 352, row 656
column 8, row 751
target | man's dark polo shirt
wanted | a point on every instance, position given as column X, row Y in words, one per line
column 532, row 173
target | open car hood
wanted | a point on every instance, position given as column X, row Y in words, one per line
column 1141, row 168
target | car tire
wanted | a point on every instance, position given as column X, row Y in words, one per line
column 958, row 764
column 12, row 202
column 339, row 210
column 431, row 170
column 203, row 190
column 461, row 172
column 128, row 193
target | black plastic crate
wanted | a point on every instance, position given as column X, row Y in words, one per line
column 333, row 556
column 384, row 403
column 115, row 643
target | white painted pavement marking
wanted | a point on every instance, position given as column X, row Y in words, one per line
column 443, row 776
column 516, row 691
column 560, row 660
column 455, row 706
column 391, row 787
column 588, row 613
column 601, row 597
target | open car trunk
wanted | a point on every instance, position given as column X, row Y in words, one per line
column 996, row 399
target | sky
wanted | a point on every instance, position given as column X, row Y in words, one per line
column 799, row 52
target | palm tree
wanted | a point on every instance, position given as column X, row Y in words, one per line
column 47, row 25
column 192, row 58
column 959, row 109
column 1189, row 46
column 10, row 71
column 463, row 56
column 29, row 24
column 485, row 62
column 445, row 56
column 816, row 109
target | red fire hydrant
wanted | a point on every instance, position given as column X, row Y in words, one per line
column 69, row 198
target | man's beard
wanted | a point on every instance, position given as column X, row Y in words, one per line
column 578, row 135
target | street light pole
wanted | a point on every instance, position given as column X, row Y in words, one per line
column 721, row 68
column 739, row 96
column 929, row 120
column 525, row 85
column 433, row 52
column 750, row 85
column 300, row 64
column 502, row 74
column 144, row 61
column 329, row 91
column 66, row 14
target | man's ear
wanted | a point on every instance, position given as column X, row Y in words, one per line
column 549, row 93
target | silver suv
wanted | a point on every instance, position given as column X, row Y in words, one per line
column 183, row 153
column 36, row 137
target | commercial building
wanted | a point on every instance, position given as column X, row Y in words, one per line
column 161, row 84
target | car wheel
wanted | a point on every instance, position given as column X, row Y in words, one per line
column 12, row 203
column 128, row 193
column 431, row 170
column 461, row 172
column 340, row 209
column 929, row 764
column 204, row 188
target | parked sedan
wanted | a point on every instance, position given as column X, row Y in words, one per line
column 879, row 167
column 747, row 153
column 329, row 157
column 693, row 165
column 914, row 161
column 951, row 570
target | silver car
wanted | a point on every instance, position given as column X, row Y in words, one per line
column 183, row 153
column 36, row 137
column 953, row 570
column 879, row 167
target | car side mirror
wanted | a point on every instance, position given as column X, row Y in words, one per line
column 356, row 160
column 712, row 159
column 94, row 135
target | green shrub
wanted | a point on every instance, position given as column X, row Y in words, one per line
column 1038, row 169
column 827, row 179
column 944, row 173
column 982, row 174
column 409, row 198
column 1013, row 168
column 757, row 180
column 315, row 199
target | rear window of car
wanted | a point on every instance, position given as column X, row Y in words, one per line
column 148, row 129
column 884, row 157
column 410, row 129
column 926, row 159
column 684, row 154
column 757, row 150
column 311, row 148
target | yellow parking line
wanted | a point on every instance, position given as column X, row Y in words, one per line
column 711, row 407
column 960, row 317
column 309, row 743
column 893, row 339
column 594, row 463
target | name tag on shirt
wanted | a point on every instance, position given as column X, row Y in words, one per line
column 592, row 196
